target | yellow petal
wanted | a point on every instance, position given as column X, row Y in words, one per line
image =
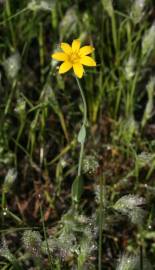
column 86, row 50
column 59, row 56
column 78, row 70
column 66, row 48
column 65, row 67
column 76, row 45
column 87, row 61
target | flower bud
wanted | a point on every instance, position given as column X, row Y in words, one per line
column 129, row 68
column 9, row 180
column 148, row 42
column 12, row 65
column 137, row 10
column 107, row 5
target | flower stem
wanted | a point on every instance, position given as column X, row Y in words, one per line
column 80, row 159
column 84, row 101
column 77, row 186
column 84, row 124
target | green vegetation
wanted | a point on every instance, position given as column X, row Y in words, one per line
column 51, row 216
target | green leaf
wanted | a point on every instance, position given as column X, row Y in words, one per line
column 82, row 135
column 77, row 189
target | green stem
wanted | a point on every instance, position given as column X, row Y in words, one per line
column 9, row 99
column 3, row 203
column 84, row 124
column 8, row 13
column 114, row 33
column 45, row 236
column 14, row 16
column 80, row 159
column 41, row 51
column 84, row 102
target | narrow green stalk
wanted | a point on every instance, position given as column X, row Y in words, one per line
column 41, row 51
column 63, row 124
column 14, row 217
column 21, row 128
column 8, row 13
column 3, row 202
column 63, row 152
column 118, row 98
column 45, row 236
column 84, row 124
column 114, row 33
column 14, row 16
column 133, row 88
column 84, row 101
column 100, row 224
column 77, row 186
column 9, row 99
column 80, row 159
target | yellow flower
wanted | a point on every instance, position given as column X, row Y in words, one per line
column 74, row 57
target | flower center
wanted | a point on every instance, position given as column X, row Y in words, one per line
column 74, row 58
